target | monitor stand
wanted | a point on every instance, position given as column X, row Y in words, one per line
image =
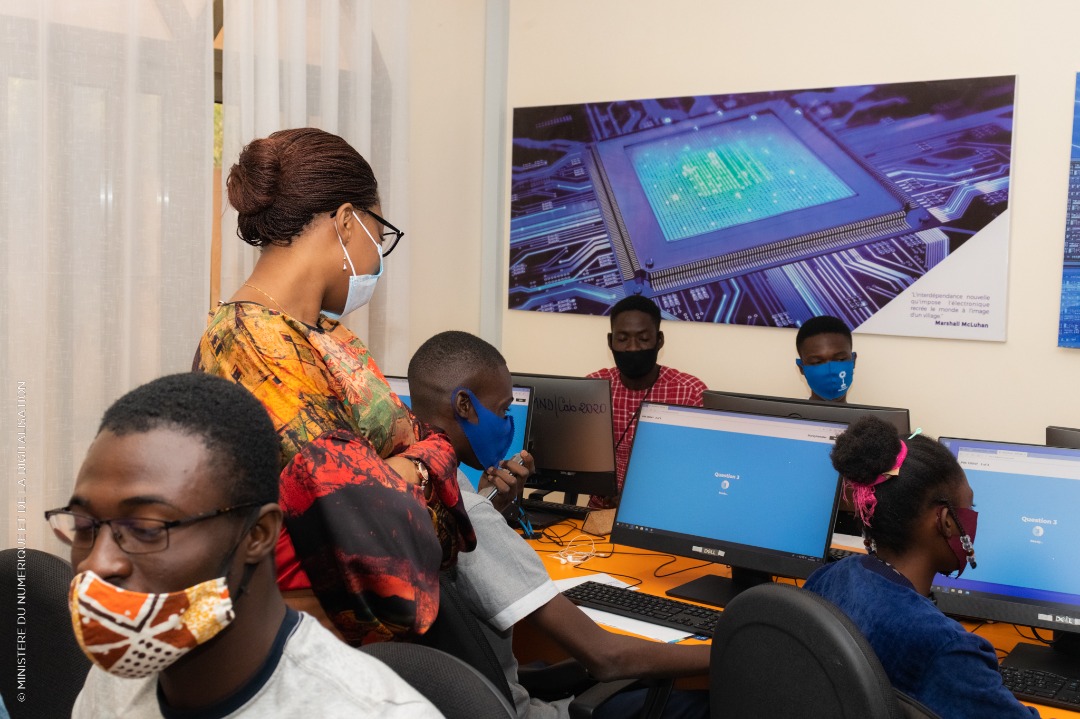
column 718, row 591
column 1061, row 657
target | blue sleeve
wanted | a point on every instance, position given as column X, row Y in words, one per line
column 963, row 680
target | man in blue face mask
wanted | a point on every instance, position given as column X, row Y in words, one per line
column 825, row 357
column 460, row 384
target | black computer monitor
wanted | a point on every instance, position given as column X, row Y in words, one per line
column 1063, row 437
column 755, row 492
column 806, row 408
column 1027, row 545
column 571, row 438
column 520, row 410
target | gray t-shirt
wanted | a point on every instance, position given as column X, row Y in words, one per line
column 503, row 581
column 315, row 674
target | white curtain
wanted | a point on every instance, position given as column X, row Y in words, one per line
column 105, row 209
column 339, row 65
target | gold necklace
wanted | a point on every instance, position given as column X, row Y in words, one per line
column 267, row 295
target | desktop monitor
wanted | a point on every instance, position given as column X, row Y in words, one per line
column 520, row 410
column 1063, row 437
column 847, row 524
column 1028, row 499
column 755, row 492
column 571, row 438
column 805, row 408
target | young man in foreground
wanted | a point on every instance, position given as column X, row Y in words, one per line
column 172, row 526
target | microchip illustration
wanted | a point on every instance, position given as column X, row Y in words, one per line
column 733, row 192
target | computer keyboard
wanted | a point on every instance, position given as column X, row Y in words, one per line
column 574, row 511
column 646, row 607
column 836, row 554
column 1041, row 687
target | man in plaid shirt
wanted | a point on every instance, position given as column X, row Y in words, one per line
column 635, row 341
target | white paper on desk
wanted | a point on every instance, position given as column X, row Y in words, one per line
column 625, row 624
column 636, row 626
column 848, row 541
column 599, row 578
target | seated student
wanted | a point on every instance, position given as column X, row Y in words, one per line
column 635, row 341
column 173, row 520
column 461, row 384
column 825, row 357
column 916, row 508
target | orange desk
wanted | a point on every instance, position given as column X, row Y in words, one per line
column 630, row 564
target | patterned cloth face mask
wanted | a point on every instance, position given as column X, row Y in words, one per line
column 135, row 634
column 962, row 543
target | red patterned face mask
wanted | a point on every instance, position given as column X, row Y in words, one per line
column 134, row 634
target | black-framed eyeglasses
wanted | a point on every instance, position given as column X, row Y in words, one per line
column 384, row 237
column 134, row 535
column 394, row 232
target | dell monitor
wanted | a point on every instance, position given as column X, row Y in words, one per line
column 519, row 409
column 847, row 524
column 1063, row 437
column 571, row 437
column 755, row 492
column 1028, row 499
column 806, row 408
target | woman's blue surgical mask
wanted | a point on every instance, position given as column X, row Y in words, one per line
column 830, row 380
column 361, row 287
column 490, row 436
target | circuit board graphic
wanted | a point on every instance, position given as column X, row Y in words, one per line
column 761, row 209
column 1069, row 325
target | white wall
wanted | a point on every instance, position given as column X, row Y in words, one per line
column 568, row 51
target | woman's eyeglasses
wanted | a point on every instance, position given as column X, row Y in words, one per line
column 384, row 237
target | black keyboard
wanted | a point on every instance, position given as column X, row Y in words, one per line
column 836, row 554
column 574, row 511
column 1040, row 687
column 646, row 607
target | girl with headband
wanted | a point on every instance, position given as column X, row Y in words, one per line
column 916, row 507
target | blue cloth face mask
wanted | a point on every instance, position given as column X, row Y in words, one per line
column 831, row 379
column 361, row 287
column 491, row 436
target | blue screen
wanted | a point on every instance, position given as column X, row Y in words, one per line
column 519, row 410
column 1028, row 499
column 747, row 479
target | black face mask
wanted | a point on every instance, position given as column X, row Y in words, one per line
column 636, row 364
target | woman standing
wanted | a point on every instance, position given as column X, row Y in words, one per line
column 363, row 482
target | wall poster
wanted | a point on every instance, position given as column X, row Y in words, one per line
column 1069, row 323
column 885, row 205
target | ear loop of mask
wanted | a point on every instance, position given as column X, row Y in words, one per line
column 249, row 569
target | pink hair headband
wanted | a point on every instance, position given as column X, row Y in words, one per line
column 864, row 497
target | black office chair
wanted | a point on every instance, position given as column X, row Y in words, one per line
column 457, row 632
column 456, row 689
column 34, row 597
column 781, row 651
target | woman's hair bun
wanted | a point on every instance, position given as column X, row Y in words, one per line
column 255, row 178
column 865, row 450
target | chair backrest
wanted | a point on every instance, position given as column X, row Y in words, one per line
column 457, row 632
column 455, row 688
column 783, row 651
column 42, row 668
